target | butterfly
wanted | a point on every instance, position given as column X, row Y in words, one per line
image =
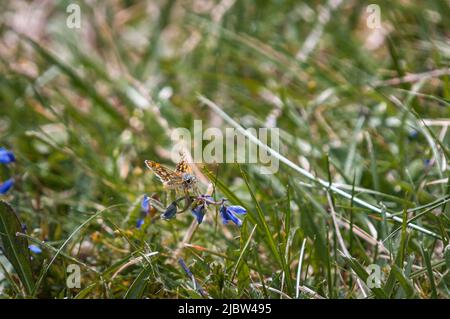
column 181, row 177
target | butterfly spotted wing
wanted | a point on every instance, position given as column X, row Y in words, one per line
column 183, row 166
column 170, row 178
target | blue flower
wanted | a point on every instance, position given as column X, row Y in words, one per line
column 185, row 267
column 6, row 156
column 145, row 210
column 35, row 249
column 170, row 212
column 139, row 223
column 5, row 186
column 199, row 212
column 145, row 205
column 229, row 213
column 413, row 134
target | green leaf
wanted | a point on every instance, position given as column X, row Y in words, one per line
column 447, row 265
column 243, row 277
column 137, row 288
column 390, row 282
column 404, row 282
column 243, row 253
column 363, row 275
column 426, row 256
column 268, row 235
column 84, row 293
column 447, row 257
column 15, row 248
column 9, row 278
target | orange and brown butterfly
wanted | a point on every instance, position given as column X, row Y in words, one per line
column 181, row 177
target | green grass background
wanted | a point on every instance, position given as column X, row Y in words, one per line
column 82, row 109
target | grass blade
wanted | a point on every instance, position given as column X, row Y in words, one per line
column 304, row 172
column 363, row 275
column 137, row 288
column 15, row 248
column 268, row 235
column 243, row 251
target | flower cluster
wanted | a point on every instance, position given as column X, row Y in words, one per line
column 228, row 213
column 199, row 206
column 6, row 157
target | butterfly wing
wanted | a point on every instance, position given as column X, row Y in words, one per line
column 183, row 166
column 168, row 177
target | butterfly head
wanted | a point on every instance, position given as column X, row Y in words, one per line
column 189, row 180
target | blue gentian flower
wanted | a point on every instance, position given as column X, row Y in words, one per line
column 145, row 205
column 413, row 134
column 185, row 267
column 6, row 156
column 199, row 212
column 5, row 186
column 170, row 212
column 35, row 249
column 229, row 213
column 139, row 223
column 145, row 209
